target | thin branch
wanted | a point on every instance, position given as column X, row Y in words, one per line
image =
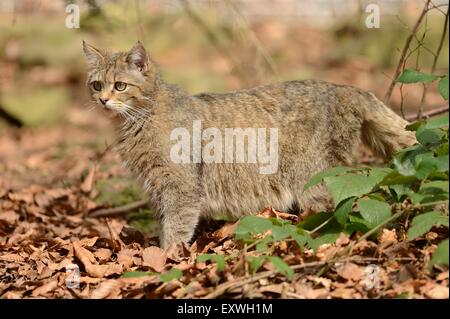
column 437, row 111
column 119, row 210
column 214, row 40
column 405, row 51
column 435, row 60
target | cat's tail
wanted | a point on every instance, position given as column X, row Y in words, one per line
column 383, row 130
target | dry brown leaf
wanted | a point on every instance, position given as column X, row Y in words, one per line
column 9, row 216
column 154, row 257
column 21, row 197
column 84, row 255
column 342, row 240
column 226, row 231
column 277, row 289
column 442, row 276
column 103, row 254
column 13, row 294
column 309, row 293
column 88, row 182
column 87, row 242
column 100, row 271
column 107, row 289
column 388, row 236
column 438, row 292
column 350, row 271
column 345, row 293
column 12, row 257
column 45, row 288
column 42, row 200
column 125, row 258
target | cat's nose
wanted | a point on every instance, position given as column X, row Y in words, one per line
column 103, row 101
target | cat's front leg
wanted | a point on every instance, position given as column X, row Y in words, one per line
column 178, row 224
column 177, row 201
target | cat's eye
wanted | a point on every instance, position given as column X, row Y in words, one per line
column 97, row 85
column 120, row 86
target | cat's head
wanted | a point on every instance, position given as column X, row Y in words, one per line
column 124, row 82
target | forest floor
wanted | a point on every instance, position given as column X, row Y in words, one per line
column 49, row 188
column 58, row 169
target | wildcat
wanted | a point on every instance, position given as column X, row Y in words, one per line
column 319, row 125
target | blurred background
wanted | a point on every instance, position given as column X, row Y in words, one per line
column 51, row 135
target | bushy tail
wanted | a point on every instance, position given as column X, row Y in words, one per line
column 383, row 130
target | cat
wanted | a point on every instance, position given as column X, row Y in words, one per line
column 318, row 124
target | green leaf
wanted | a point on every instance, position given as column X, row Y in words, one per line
column 441, row 185
column 395, row 178
column 413, row 76
column 316, row 179
column 414, row 126
column 282, row 232
column 218, row 259
column 312, row 221
column 425, row 165
column 422, row 223
column 443, row 87
column 440, row 255
column 442, row 150
column 357, row 223
column 400, row 191
column 380, row 172
column 345, row 186
column 374, row 211
column 434, row 191
column 173, row 273
column 438, row 122
column 256, row 262
column 442, row 163
column 344, row 208
column 429, row 137
column 405, row 167
column 301, row 239
column 328, row 238
column 136, row 274
column 250, row 225
column 281, row 266
column 262, row 246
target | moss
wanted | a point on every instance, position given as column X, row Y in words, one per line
column 118, row 191
column 36, row 106
column 143, row 220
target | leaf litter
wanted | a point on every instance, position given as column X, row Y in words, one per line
column 45, row 229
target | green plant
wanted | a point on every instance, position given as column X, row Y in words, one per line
column 415, row 184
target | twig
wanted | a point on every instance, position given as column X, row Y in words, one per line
column 119, row 210
column 212, row 37
column 405, row 51
column 435, row 60
column 222, row 288
column 437, row 111
column 373, row 231
column 321, row 225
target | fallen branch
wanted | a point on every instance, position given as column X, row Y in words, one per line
column 119, row 210
column 221, row 289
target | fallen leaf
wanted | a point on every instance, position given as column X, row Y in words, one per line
column 107, row 289
column 155, row 258
column 350, row 271
column 88, row 182
column 45, row 288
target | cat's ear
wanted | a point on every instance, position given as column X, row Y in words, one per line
column 138, row 57
column 93, row 55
